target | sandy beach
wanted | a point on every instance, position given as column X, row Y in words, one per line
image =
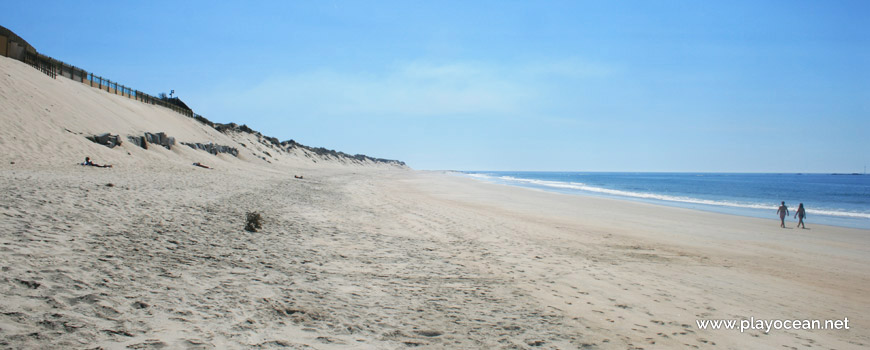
column 394, row 259
column 152, row 253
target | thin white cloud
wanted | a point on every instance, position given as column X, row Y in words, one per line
column 416, row 89
column 571, row 68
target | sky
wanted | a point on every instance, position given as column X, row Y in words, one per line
column 673, row 86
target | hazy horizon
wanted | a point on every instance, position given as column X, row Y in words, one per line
column 737, row 87
column 676, row 172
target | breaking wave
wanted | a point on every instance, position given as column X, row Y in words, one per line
column 578, row 186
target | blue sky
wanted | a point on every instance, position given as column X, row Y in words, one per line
column 754, row 86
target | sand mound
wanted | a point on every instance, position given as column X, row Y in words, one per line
column 46, row 122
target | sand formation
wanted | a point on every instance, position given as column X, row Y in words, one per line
column 56, row 118
column 50, row 113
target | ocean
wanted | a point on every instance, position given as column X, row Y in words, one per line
column 829, row 199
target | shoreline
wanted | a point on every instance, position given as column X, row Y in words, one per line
column 538, row 195
column 707, row 205
column 829, row 260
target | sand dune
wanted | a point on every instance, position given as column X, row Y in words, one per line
column 152, row 253
column 46, row 121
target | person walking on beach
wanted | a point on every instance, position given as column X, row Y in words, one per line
column 800, row 214
column 783, row 212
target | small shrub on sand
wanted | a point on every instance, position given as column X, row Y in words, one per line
column 254, row 222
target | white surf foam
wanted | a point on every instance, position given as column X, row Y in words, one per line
column 619, row 193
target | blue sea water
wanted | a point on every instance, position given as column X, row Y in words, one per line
column 829, row 199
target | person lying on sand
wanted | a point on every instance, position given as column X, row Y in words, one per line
column 201, row 165
column 88, row 162
column 297, row 176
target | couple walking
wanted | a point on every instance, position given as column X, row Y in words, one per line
column 783, row 212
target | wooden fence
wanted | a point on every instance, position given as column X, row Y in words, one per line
column 15, row 47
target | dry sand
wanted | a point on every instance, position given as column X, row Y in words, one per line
column 359, row 256
column 391, row 259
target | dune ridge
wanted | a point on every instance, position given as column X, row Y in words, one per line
column 52, row 117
